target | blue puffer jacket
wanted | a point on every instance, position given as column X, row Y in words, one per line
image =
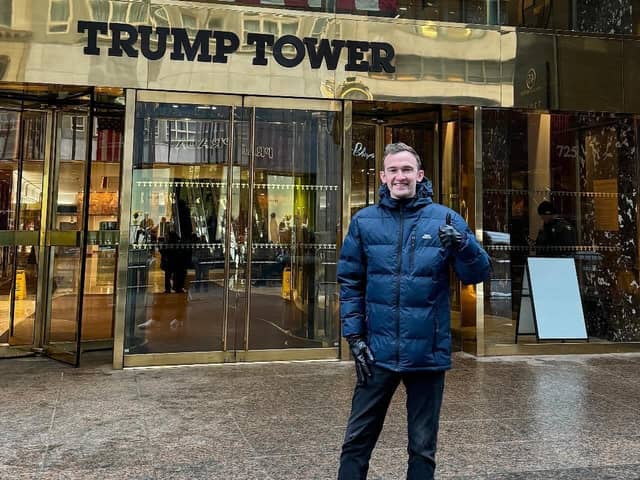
column 394, row 280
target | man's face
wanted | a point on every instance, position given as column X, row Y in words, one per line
column 401, row 174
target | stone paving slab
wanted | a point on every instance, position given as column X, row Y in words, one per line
column 507, row 418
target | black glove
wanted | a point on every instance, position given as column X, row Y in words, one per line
column 362, row 356
column 449, row 236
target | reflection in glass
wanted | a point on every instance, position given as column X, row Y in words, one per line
column 220, row 209
column 32, row 172
column 363, row 166
column 22, row 144
column 294, row 228
column 71, row 155
column 176, row 280
column 64, row 294
column 102, row 249
column 562, row 185
column 24, row 295
column 9, row 154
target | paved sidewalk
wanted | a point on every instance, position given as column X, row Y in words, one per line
column 556, row 418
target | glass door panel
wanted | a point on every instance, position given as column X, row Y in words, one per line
column 233, row 228
column 102, row 226
column 238, row 234
column 9, row 171
column 22, row 153
column 67, row 178
column 295, row 207
column 177, row 271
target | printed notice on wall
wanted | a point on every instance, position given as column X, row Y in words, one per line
column 606, row 204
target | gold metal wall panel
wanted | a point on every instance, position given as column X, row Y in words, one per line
column 164, row 359
column 293, row 104
column 43, row 44
column 289, row 354
column 434, row 62
column 534, row 72
column 508, row 59
column 189, row 98
column 589, row 73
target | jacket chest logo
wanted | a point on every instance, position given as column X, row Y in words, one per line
column 426, row 236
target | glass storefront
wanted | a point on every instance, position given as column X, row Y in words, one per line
column 59, row 204
column 233, row 226
column 562, row 185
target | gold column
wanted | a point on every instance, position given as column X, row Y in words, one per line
column 123, row 246
column 347, row 119
column 477, row 155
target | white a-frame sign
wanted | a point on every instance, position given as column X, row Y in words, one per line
column 550, row 305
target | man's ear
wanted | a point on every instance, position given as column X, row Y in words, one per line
column 382, row 176
column 420, row 175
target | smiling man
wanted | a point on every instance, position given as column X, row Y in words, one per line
column 394, row 306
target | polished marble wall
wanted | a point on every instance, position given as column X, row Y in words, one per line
column 587, row 166
column 605, row 16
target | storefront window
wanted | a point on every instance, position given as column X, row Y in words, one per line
column 231, row 251
column 562, row 186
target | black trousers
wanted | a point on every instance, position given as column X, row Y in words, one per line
column 368, row 410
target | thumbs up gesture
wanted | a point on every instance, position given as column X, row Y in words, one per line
column 449, row 236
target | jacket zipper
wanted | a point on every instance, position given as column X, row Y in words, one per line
column 413, row 251
column 435, row 329
column 399, row 276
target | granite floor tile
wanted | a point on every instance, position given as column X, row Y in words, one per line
column 233, row 468
column 290, row 439
column 627, row 472
column 187, row 447
column 132, row 472
column 20, row 473
column 20, row 456
column 317, row 466
column 86, row 454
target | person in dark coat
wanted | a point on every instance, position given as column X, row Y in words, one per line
column 394, row 307
column 557, row 237
column 168, row 260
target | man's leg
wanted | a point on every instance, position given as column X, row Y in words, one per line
column 368, row 409
column 424, row 399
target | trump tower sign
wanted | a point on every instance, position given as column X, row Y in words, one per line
column 153, row 43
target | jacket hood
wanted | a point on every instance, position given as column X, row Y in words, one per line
column 424, row 196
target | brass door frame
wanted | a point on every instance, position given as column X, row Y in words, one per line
column 51, row 238
column 45, row 238
column 120, row 360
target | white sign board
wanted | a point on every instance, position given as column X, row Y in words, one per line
column 557, row 306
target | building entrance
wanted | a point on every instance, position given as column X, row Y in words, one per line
column 57, row 259
column 443, row 136
column 233, row 227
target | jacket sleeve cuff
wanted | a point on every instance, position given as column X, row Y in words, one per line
column 468, row 249
column 352, row 326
